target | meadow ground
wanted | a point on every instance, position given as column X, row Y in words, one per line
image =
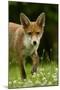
column 47, row 75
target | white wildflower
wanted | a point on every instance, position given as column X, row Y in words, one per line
column 10, row 82
column 14, row 81
column 44, row 83
column 29, row 81
column 41, row 73
column 42, row 69
column 54, row 76
column 43, row 50
column 24, row 79
column 56, row 69
column 41, row 58
column 10, row 62
column 34, row 75
column 55, row 79
column 50, row 49
column 38, row 74
column 43, row 78
column 50, row 83
column 48, row 73
column 19, row 82
column 38, row 82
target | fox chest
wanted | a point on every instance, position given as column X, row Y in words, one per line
column 29, row 48
column 29, row 51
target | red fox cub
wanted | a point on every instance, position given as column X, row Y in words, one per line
column 25, row 40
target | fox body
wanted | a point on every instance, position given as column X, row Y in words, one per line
column 25, row 40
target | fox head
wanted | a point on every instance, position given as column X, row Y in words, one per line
column 33, row 30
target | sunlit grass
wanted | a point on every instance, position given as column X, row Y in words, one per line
column 46, row 75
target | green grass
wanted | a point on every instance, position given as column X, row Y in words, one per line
column 46, row 75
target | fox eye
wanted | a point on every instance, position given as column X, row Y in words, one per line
column 37, row 33
column 29, row 33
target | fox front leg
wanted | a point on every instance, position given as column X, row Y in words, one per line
column 22, row 68
column 35, row 60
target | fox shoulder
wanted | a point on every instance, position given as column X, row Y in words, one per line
column 16, row 33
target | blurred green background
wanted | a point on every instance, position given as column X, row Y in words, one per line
column 49, row 41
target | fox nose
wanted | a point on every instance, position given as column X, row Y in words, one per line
column 34, row 42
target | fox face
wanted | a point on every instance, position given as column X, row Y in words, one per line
column 33, row 30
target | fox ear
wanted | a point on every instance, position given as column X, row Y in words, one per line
column 41, row 20
column 24, row 20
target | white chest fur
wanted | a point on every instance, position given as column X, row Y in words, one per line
column 29, row 48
